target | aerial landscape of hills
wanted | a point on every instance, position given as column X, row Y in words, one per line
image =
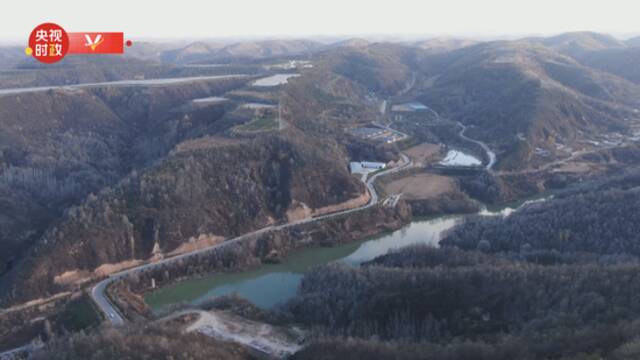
column 438, row 198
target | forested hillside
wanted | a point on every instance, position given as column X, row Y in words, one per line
column 57, row 147
column 506, row 88
column 154, row 341
column 544, row 282
column 602, row 219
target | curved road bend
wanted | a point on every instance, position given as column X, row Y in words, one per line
column 98, row 292
column 485, row 147
column 490, row 154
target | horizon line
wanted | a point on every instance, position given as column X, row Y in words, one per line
column 484, row 36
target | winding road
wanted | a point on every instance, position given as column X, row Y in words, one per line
column 463, row 128
column 98, row 292
column 490, row 154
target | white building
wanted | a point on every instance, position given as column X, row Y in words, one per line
column 364, row 167
column 372, row 165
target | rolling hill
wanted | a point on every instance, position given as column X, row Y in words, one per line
column 510, row 88
column 210, row 52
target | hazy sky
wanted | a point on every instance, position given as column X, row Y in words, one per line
column 232, row 18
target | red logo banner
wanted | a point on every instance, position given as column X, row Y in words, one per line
column 49, row 43
column 96, row 43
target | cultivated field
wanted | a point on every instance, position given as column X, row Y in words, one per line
column 424, row 153
column 421, row 186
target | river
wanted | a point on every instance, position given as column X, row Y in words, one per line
column 274, row 283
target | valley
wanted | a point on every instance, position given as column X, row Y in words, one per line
column 213, row 187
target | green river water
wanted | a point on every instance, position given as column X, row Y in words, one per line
column 274, row 283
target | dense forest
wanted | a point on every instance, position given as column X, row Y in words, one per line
column 557, row 279
column 154, row 341
column 442, row 303
column 506, row 347
column 600, row 218
column 57, row 149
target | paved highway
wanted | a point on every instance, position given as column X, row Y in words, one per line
column 146, row 82
column 98, row 292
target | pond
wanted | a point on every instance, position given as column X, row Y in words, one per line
column 458, row 158
column 274, row 80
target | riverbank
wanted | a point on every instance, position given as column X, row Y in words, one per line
column 267, row 247
column 271, row 284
